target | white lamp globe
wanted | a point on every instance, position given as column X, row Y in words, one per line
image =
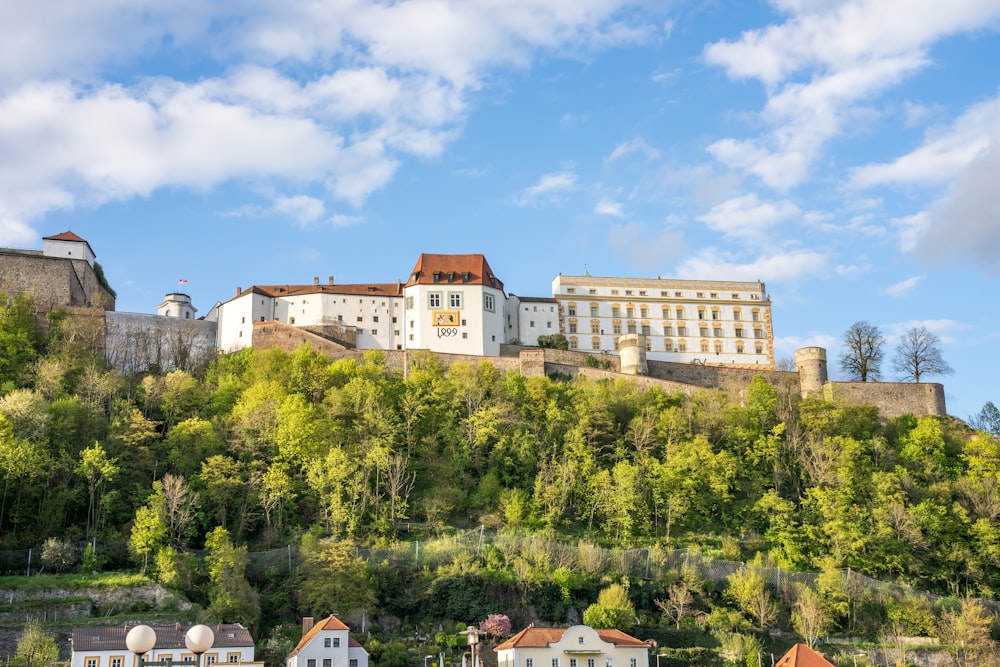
column 140, row 639
column 199, row 638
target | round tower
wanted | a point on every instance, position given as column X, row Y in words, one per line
column 632, row 351
column 177, row 304
column 811, row 365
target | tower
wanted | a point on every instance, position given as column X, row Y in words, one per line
column 811, row 365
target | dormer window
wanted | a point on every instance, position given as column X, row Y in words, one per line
column 465, row 276
column 451, row 276
column 437, row 277
column 579, row 640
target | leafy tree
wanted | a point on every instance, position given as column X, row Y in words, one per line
column 58, row 554
column 231, row 599
column 97, row 469
column 919, row 354
column 36, row 647
column 809, row 618
column 749, row 591
column 555, row 341
column 862, row 352
column 332, row 579
column 149, row 532
column 613, row 609
column 987, row 419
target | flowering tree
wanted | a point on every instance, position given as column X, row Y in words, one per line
column 495, row 625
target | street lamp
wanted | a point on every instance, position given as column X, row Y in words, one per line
column 141, row 639
column 426, row 658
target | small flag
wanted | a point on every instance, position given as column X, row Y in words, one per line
column 182, row 281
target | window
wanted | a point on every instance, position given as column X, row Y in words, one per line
column 489, row 303
column 668, row 330
column 614, row 292
column 701, row 313
column 595, row 343
column 395, row 332
column 592, row 291
column 700, row 295
column 616, row 327
column 630, row 311
column 572, row 661
column 361, row 318
column 454, row 299
column 555, row 662
column 211, row 658
column 243, row 320
column 434, row 299
column 327, row 662
column 232, row 657
column 548, row 325
column 643, row 311
column 591, row 662
column 571, row 309
column 714, row 295
column 668, row 345
column 715, row 313
column 291, row 320
column 631, row 327
column 311, row 662
column 735, row 296
column 628, row 292
column 593, row 310
column 758, row 332
column 409, row 303
column 703, row 346
column 353, row 662
column 531, row 324
column 573, row 342
column 666, row 312
column 736, row 314
column 91, row 662
column 678, row 294
column 529, row 662
column 374, row 332
column 759, row 348
column 616, row 311
column 633, row 662
column 572, row 327
column 739, row 332
column 739, row 347
column 702, row 331
column 680, row 313
column 756, row 315
column 393, row 320
column 642, row 292
column 717, row 332
column 595, row 326
column 682, row 346
column 718, row 347
column 682, row 331
column 645, row 330
column 117, row 661
column 570, row 290
column 616, row 343
column 336, row 642
column 649, row 345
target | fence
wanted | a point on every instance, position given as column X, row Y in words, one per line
column 651, row 563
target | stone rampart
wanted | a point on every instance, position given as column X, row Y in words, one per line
column 138, row 342
column 720, row 377
column 52, row 282
column 893, row 399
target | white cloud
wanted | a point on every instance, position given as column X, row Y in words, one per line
column 549, row 188
column 342, row 220
column 903, row 287
column 608, row 207
column 747, row 216
column 945, row 329
column 646, row 249
column 790, row 265
column 301, row 208
column 849, row 52
column 786, row 345
column 630, row 147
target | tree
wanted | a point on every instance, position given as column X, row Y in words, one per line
column 97, row 468
column 36, row 647
column 987, row 419
column 749, row 591
column 149, row 531
column 332, row 579
column 809, row 618
column 613, row 610
column 863, row 350
column 231, row 599
column 555, row 341
column 919, row 354
column 495, row 625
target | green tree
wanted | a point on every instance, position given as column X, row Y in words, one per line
column 36, row 647
column 231, row 599
column 613, row 609
column 149, row 532
column 332, row 579
column 749, row 591
column 97, row 468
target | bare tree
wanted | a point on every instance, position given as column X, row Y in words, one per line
column 987, row 419
column 863, row 351
column 919, row 354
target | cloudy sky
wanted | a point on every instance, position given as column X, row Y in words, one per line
column 847, row 153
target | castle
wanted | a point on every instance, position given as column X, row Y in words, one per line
column 680, row 334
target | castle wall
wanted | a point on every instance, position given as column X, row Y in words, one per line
column 52, row 282
column 721, row 377
column 137, row 342
column 893, row 399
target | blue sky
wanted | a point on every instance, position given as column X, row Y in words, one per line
column 847, row 153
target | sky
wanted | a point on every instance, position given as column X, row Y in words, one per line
column 846, row 152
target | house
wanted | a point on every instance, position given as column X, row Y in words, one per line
column 104, row 646
column 327, row 644
column 801, row 655
column 577, row 646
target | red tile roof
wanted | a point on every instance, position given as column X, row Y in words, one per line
column 374, row 290
column 540, row 637
column 460, row 269
column 65, row 236
column 801, row 655
column 329, row 623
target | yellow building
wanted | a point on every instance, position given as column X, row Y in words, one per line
column 577, row 646
column 722, row 323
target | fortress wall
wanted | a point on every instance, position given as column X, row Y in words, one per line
column 643, row 381
column 892, row 398
column 52, row 282
column 136, row 342
column 716, row 376
column 286, row 337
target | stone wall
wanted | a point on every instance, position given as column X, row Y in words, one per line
column 52, row 282
column 137, row 342
column 721, row 377
column 893, row 399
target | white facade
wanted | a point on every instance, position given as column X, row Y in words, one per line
column 577, row 646
column 454, row 318
column 178, row 305
column 531, row 317
column 708, row 322
column 104, row 646
column 327, row 644
column 68, row 246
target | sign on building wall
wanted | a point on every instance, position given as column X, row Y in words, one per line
column 446, row 318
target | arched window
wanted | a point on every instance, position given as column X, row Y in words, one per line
column 573, row 342
column 682, row 346
column 668, row 345
column 595, row 343
column 704, row 346
column 718, row 347
column 593, row 309
column 571, row 309
column 666, row 312
column 739, row 347
column 701, row 313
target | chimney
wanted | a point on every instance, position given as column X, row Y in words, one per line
column 315, row 281
column 239, row 290
column 307, row 624
column 331, row 280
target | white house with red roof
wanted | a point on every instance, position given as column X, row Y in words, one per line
column 327, row 644
column 104, row 646
column 577, row 646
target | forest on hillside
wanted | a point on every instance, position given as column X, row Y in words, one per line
column 265, row 448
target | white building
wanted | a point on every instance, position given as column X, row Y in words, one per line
column 577, row 646
column 104, row 646
column 693, row 321
column 327, row 644
column 529, row 317
column 68, row 246
column 454, row 304
column 177, row 304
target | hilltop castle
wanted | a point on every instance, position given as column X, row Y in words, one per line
column 684, row 334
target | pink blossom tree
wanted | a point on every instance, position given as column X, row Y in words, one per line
column 495, row 625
